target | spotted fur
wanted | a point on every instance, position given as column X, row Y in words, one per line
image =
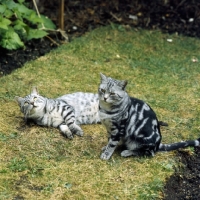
column 86, row 106
column 65, row 113
column 130, row 121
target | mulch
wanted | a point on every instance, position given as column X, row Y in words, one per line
column 171, row 16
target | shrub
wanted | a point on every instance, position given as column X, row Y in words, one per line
column 18, row 24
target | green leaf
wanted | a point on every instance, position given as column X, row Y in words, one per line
column 19, row 25
column 4, row 23
column 32, row 33
column 13, row 135
column 3, row 137
column 10, row 40
column 11, row 4
column 8, row 13
column 21, row 1
column 33, row 18
column 23, row 9
column 48, row 24
column 2, row 8
column 18, row 15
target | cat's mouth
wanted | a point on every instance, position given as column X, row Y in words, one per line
column 29, row 110
column 32, row 104
column 105, row 100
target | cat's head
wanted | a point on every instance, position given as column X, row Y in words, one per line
column 111, row 91
column 31, row 103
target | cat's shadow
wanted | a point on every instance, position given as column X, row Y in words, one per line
column 24, row 124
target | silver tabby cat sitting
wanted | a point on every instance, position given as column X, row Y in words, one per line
column 65, row 112
column 130, row 121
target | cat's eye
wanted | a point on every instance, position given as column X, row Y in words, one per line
column 102, row 90
column 35, row 98
column 112, row 93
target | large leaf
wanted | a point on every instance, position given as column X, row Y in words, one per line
column 8, row 13
column 48, row 24
column 34, row 33
column 21, row 1
column 23, row 9
column 19, row 25
column 10, row 40
column 18, row 15
column 11, row 4
column 2, row 8
column 33, row 18
column 4, row 23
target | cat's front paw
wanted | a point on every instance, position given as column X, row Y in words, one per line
column 105, row 155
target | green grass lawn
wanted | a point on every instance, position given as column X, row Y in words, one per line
column 39, row 163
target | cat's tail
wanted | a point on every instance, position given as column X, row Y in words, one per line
column 178, row 145
column 161, row 123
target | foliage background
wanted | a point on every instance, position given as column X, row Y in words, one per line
column 19, row 24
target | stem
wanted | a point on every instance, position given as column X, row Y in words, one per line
column 35, row 4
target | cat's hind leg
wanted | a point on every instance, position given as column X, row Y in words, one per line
column 127, row 153
column 70, row 121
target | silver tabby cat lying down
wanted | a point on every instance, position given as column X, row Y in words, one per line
column 130, row 121
column 65, row 112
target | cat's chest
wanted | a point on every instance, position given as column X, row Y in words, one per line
column 52, row 118
column 54, row 114
column 108, row 119
column 116, row 116
column 106, row 122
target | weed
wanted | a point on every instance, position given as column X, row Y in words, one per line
column 4, row 137
column 151, row 189
column 18, row 165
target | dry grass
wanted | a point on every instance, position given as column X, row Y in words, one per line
column 38, row 163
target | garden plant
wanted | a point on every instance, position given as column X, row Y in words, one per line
column 18, row 24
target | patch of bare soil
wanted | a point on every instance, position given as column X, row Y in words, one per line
column 171, row 16
column 184, row 184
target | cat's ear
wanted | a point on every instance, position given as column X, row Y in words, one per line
column 103, row 78
column 122, row 84
column 35, row 90
column 19, row 99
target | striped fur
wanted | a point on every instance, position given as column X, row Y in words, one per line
column 65, row 112
column 130, row 121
